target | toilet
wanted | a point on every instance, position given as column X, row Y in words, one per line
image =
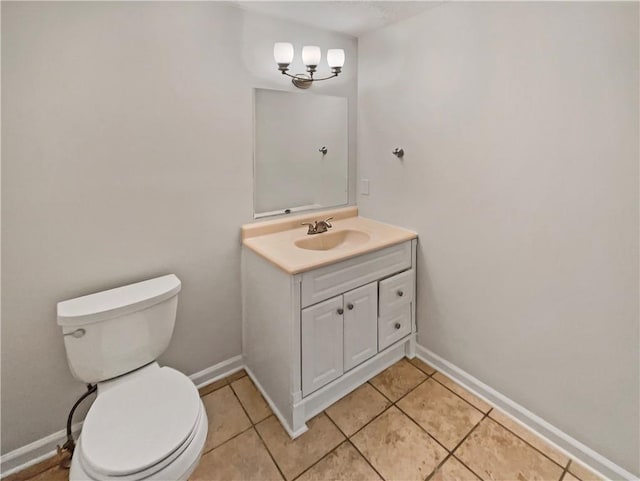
column 147, row 421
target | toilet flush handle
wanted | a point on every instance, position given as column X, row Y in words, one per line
column 78, row 333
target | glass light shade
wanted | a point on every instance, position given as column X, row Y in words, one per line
column 311, row 55
column 335, row 57
column 283, row 53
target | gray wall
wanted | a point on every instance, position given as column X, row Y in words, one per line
column 520, row 127
column 126, row 154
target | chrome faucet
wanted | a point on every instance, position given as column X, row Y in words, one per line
column 318, row 227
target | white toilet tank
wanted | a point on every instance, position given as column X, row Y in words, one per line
column 113, row 332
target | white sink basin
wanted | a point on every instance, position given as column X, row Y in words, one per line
column 340, row 239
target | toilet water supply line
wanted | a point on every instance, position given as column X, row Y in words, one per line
column 65, row 452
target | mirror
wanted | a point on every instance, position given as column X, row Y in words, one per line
column 300, row 152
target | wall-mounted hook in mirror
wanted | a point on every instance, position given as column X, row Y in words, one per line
column 398, row 152
column 323, row 149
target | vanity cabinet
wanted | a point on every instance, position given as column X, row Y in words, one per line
column 310, row 338
column 337, row 335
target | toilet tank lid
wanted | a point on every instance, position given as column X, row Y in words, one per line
column 117, row 302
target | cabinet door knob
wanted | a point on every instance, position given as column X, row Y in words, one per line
column 340, row 311
column 349, row 306
column 398, row 325
column 400, row 293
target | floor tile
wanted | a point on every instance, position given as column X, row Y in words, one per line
column 343, row 464
column 295, row 455
column 214, row 386
column 357, row 408
column 530, row 437
column 236, row 375
column 569, row 477
column 423, row 366
column 496, row 453
column 242, row 458
column 440, row 412
column 53, row 474
column 453, row 470
column 397, row 448
column 226, row 417
column 462, row 392
column 251, row 399
column 397, row 380
column 32, row 471
column 582, row 473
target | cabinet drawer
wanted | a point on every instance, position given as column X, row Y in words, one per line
column 396, row 292
column 325, row 282
column 394, row 326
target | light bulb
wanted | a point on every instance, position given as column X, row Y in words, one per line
column 283, row 54
column 311, row 55
column 335, row 57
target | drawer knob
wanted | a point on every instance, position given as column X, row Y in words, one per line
column 400, row 293
column 398, row 325
column 350, row 306
column 340, row 311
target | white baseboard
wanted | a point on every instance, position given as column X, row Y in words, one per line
column 573, row 448
column 274, row 408
column 44, row 448
column 217, row 371
column 35, row 452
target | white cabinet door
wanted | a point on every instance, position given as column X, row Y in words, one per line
column 322, row 337
column 360, row 325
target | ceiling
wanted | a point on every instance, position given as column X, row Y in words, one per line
column 350, row 17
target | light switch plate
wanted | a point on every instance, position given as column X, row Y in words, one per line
column 364, row 186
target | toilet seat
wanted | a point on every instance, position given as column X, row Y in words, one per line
column 140, row 425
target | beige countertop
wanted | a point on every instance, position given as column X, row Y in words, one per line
column 275, row 240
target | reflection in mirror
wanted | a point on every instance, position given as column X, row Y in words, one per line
column 300, row 151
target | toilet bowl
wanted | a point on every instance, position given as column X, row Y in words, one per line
column 147, row 422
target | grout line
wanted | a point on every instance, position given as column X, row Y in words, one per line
column 411, row 390
column 472, row 429
column 371, row 420
column 424, row 430
column 529, row 444
column 225, row 442
column 334, row 423
column 225, row 381
column 365, row 459
column 566, row 470
column 430, row 475
column 464, row 439
column 420, row 369
column 491, row 408
column 468, row 402
column 246, row 413
column 321, row 458
column 470, row 470
column 393, row 403
column 378, row 390
column 450, row 453
column 268, row 450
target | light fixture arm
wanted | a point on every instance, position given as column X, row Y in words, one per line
column 302, row 79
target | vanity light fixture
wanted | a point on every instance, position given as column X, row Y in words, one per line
column 283, row 55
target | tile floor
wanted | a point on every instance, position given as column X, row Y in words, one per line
column 408, row 423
